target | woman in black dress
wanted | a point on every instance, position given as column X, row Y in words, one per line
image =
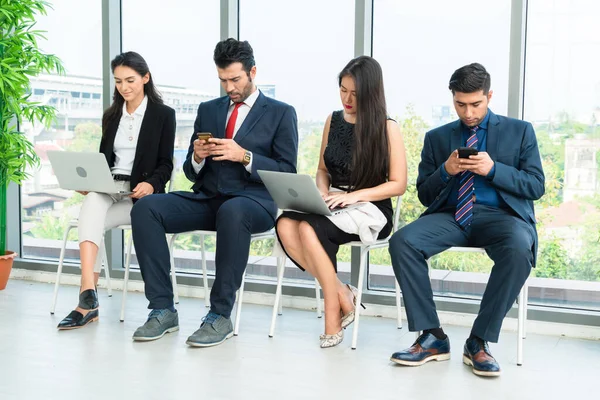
column 363, row 157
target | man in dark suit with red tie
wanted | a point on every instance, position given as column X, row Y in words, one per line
column 250, row 132
column 485, row 200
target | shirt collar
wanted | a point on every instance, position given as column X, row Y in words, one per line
column 250, row 100
column 140, row 111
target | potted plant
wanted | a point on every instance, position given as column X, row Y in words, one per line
column 20, row 59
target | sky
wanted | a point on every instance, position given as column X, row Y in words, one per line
column 301, row 46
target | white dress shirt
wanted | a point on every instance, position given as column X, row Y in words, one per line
column 127, row 138
column 243, row 112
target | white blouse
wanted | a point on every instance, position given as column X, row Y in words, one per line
column 127, row 138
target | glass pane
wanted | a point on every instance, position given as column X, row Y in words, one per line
column 419, row 46
column 180, row 57
column 46, row 209
column 300, row 67
column 562, row 99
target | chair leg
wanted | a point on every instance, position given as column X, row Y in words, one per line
column 175, row 289
column 278, row 290
column 364, row 254
column 173, row 275
column 126, row 277
column 398, row 305
column 521, row 326
column 204, row 273
column 318, row 297
column 281, row 260
column 526, row 289
column 280, row 310
column 61, row 260
column 106, row 269
column 238, row 312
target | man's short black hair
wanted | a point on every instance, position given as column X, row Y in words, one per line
column 470, row 78
column 231, row 50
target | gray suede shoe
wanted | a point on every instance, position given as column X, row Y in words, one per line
column 215, row 329
column 159, row 322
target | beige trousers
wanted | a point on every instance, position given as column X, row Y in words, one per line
column 101, row 212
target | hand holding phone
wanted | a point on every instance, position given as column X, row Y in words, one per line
column 202, row 146
column 465, row 152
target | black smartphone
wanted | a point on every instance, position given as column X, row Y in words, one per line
column 465, row 152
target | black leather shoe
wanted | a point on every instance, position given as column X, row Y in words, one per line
column 426, row 348
column 477, row 355
column 88, row 300
column 75, row 320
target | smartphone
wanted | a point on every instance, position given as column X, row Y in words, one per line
column 204, row 136
column 465, row 152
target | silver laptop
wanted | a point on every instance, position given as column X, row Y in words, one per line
column 87, row 172
column 296, row 192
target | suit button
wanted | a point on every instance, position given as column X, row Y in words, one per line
column 437, row 197
column 145, row 174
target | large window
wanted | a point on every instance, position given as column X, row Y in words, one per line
column 562, row 100
column 300, row 47
column 419, row 45
column 74, row 33
column 177, row 42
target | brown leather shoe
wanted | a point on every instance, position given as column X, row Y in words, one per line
column 426, row 348
column 477, row 355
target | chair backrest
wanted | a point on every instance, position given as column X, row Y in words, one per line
column 172, row 179
column 396, row 216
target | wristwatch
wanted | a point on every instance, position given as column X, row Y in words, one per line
column 247, row 158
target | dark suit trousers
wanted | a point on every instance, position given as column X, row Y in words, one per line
column 234, row 219
column 508, row 241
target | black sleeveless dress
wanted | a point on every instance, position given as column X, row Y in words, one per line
column 338, row 160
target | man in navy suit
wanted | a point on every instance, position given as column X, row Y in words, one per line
column 250, row 132
column 485, row 200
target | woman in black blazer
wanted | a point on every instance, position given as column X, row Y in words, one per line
column 138, row 135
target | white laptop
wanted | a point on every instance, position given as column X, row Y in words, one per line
column 86, row 172
column 297, row 192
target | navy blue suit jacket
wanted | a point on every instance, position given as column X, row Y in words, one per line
column 270, row 132
column 511, row 144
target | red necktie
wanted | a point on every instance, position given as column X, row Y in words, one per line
column 231, row 123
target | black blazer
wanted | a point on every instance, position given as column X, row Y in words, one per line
column 153, row 161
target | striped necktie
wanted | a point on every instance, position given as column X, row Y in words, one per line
column 466, row 191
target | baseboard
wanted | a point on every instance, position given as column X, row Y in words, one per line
column 306, row 303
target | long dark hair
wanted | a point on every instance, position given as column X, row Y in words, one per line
column 370, row 157
column 137, row 63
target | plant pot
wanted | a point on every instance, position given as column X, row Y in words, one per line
column 6, row 262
